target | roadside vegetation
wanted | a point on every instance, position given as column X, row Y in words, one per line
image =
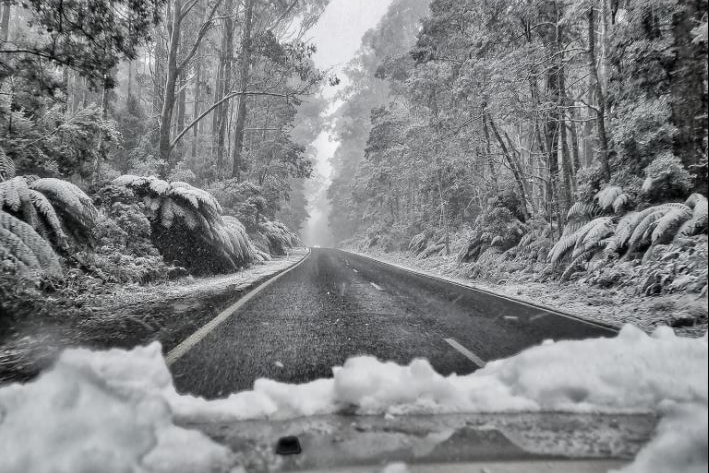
column 131, row 155
column 551, row 142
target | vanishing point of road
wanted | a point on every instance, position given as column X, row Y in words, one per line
column 335, row 305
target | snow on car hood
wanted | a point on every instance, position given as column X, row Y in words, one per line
column 115, row 410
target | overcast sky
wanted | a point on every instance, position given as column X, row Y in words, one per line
column 339, row 32
column 338, row 36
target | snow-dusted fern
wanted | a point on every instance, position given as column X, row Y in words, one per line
column 22, row 247
column 587, row 239
column 698, row 223
column 7, row 166
column 76, row 211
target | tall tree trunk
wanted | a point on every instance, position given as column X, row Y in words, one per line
column 196, row 109
column 244, row 67
column 603, row 152
column 158, row 71
column 5, row 21
column 168, row 103
column 130, row 81
column 227, row 54
column 689, row 93
column 181, row 109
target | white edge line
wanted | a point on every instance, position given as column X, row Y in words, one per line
column 190, row 342
column 465, row 352
column 551, row 310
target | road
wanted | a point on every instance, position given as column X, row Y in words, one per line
column 335, row 305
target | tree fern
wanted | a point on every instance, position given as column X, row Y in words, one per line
column 168, row 204
column 33, row 247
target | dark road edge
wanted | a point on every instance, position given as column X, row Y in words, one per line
column 186, row 345
column 606, row 326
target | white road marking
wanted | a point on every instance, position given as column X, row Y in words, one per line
column 355, row 270
column 465, row 352
column 190, row 342
column 376, row 286
column 511, row 317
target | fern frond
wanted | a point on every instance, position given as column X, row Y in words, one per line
column 607, row 196
column 70, row 201
column 168, row 212
column 49, row 215
column 642, row 231
column 14, row 245
column 602, row 229
column 620, row 203
column 38, row 246
column 12, row 193
column 7, row 166
column 667, row 226
column 159, row 186
column 581, row 210
column 698, row 223
column 130, row 180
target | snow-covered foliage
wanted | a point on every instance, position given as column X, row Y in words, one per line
column 120, row 408
column 275, row 238
column 188, row 227
column 497, row 229
column 631, row 233
column 52, row 209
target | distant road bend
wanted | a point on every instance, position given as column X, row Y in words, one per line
column 335, row 305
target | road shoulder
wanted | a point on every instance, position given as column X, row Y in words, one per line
column 126, row 316
column 609, row 307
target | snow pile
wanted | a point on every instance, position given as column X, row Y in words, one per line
column 632, row 372
column 115, row 409
column 100, row 412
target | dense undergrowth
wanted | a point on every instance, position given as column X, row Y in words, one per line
column 57, row 239
column 614, row 240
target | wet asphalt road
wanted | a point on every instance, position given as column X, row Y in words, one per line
column 336, row 305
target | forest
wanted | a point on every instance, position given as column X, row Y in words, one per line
column 142, row 141
column 539, row 140
column 504, row 140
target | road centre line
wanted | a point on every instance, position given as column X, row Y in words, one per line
column 191, row 341
column 465, row 352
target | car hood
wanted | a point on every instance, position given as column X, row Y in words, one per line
column 491, row 442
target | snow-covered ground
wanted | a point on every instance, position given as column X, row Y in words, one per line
column 612, row 306
column 116, row 410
